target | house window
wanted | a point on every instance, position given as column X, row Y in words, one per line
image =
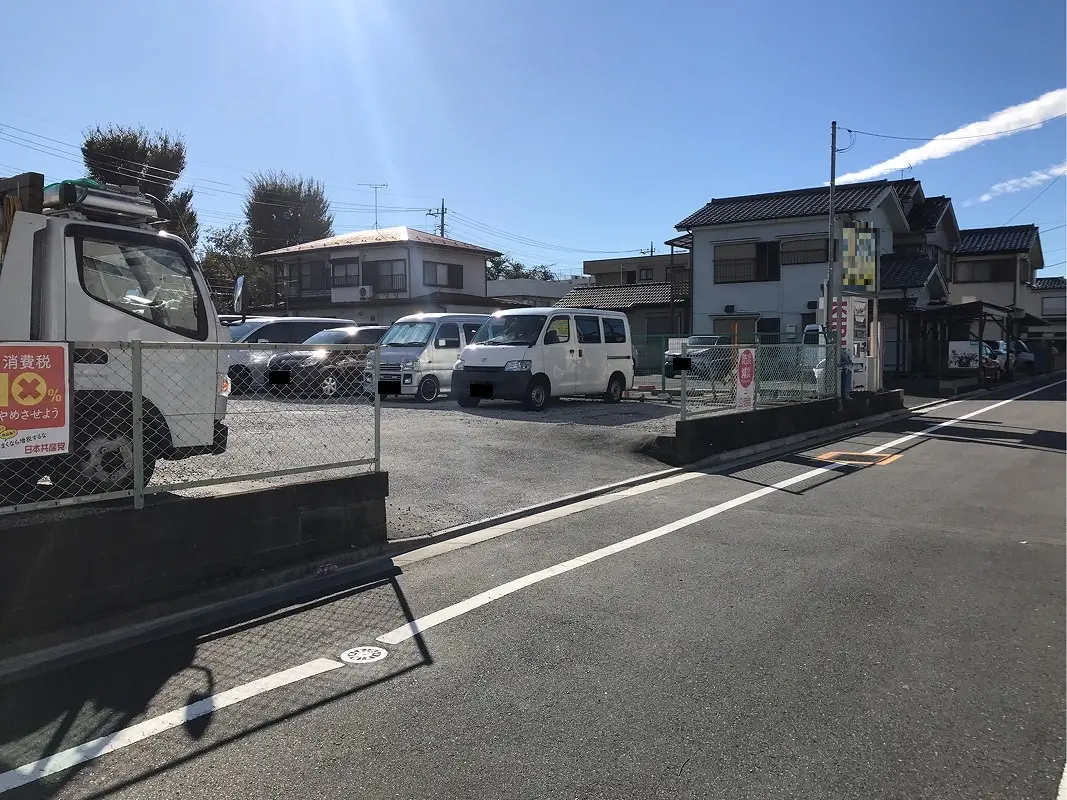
column 438, row 274
column 998, row 270
column 386, row 276
column 313, row 276
column 1053, row 306
column 346, row 273
column 803, row 251
column 769, row 328
column 747, row 263
column 630, row 276
column 645, row 275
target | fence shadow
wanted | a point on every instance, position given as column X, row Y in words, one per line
column 47, row 714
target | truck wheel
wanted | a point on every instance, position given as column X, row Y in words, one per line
column 429, row 389
column 616, row 388
column 102, row 461
column 466, row 401
column 537, row 394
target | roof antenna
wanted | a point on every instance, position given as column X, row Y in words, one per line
column 909, row 168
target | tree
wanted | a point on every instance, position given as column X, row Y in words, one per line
column 283, row 210
column 151, row 161
column 228, row 254
column 501, row 267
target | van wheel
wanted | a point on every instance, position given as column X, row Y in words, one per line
column 466, row 401
column 429, row 389
column 537, row 394
column 616, row 388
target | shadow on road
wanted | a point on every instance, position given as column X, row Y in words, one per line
column 50, row 713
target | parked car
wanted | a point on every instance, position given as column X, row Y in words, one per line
column 1024, row 356
column 713, row 357
column 535, row 354
column 248, row 368
column 418, row 351
column 318, row 369
column 999, row 351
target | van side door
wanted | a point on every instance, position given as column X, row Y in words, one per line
column 592, row 357
column 445, row 351
column 560, row 351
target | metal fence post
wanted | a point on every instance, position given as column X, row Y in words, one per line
column 137, row 393
column 663, row 365
column 755, row 372
column 683, row 373
column 375, row 353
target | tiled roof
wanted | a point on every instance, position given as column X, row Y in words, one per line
column 811, row 202
column 1050, row 284
column 617, row 298
column 925, row 216
column 907, row 271
column 1006, row 239
column 905, row 189
column 397, row 235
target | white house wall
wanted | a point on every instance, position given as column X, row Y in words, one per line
column 786, row 298
column 473, row 264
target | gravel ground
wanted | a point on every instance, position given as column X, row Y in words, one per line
column 447, row 465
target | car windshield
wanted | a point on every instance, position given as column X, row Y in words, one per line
column 334, row 336
column 239, row 333
column 409, row 334
column 511, row 330
column 702, row 341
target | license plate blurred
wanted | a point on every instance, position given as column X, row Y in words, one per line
column 483, row 391
column 279, row 378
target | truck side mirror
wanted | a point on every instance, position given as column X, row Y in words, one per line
column 240, row 295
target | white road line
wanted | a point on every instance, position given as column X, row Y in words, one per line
column 405, row 632
column 1062, row 793
column 467, row 539
column 165, row 722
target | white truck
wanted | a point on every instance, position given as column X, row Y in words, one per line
column 85, row 263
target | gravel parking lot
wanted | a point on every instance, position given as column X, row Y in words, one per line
column 447, row 465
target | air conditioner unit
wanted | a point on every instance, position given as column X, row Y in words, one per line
column 730, row 309
column 366, row 292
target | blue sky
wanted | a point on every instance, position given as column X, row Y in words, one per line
column 548, row 126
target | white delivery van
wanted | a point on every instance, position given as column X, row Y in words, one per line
column 417, row 353
column 533, row 354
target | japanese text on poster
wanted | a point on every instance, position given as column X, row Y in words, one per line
column 34, row 398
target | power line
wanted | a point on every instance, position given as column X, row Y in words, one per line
column 1048, row 186
column 953, row 138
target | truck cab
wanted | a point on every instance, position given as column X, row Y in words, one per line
column 86, row 264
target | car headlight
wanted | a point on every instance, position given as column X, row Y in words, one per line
column 259, row 356
column 412, row 364
column 223, row 384
column 518, row 366
column 458, row 365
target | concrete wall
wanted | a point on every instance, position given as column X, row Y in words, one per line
column 62, row 569
column 474, row 280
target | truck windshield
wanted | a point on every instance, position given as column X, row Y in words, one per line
column 513, row 329
column 153, row 281
column 409, row 334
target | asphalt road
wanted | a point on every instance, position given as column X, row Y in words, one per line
column 797, row 628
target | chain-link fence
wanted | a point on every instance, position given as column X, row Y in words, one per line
column 727, row 373
column 150, row 417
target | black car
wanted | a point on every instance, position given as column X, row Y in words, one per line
column 324, row 370
column 712, row 356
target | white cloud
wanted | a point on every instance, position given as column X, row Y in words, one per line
column 1031, row 181
column 1002, row 123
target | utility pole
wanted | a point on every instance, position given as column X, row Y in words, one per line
column 441, row 213
column 375, row 187
column 831, row 239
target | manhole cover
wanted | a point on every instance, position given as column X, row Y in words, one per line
column 364, row 655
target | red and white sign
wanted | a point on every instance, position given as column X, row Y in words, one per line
column 745, row 390
column 34, row 398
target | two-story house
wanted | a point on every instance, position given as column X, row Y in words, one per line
column 999, row 266
column 653, row 291
column 376, row 276
column 636, row 269
column 759, row 260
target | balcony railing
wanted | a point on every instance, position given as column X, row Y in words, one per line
column 390, row 284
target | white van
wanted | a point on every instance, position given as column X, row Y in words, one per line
column 418, row 351
column 532, row 354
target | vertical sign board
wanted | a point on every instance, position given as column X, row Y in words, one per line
column 34, row 399
column 745, row 388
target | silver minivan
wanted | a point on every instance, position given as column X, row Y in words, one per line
column 417, row 353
